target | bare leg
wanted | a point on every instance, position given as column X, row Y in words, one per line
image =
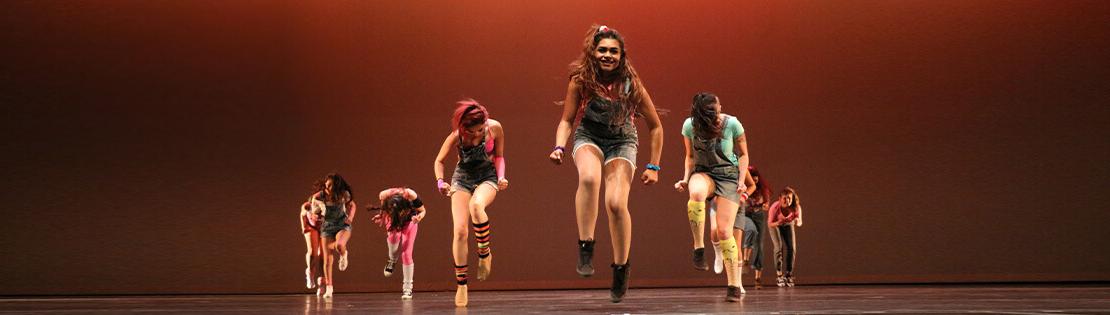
column 588, row 161
column 618, row 180
column 460, row 219
column 726, row 216
column 341, row 239
column 311, row 258
column 460, row 222
column 329, row 261
column 699, row 186
column 483, row 196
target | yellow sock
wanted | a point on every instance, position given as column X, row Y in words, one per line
column 731, row 258
column 696, row 210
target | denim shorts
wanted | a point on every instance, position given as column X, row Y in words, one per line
column 330, row 230
column 467, row 181
column 724, row 180
column 623, row 148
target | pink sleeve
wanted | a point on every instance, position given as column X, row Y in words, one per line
column 773, row 214
column 499, row 164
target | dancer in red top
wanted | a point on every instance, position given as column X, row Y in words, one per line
column 313, row 261
column 785, row 214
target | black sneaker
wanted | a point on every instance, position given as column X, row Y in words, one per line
column 620, row 283
column 699, row 259
column 388, row 270
column 733, row 294
column 585, row 255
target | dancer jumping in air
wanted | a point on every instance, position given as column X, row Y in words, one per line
column 605, row 93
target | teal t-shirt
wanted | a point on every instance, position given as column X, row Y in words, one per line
column 733, row 129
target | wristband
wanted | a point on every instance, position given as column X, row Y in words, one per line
column 652, row 167
column 439, row 182
column 560, row 148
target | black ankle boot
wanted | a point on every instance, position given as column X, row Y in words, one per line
column 733, row 294
column 620, row 282
column 585, row 255
column 699, row 259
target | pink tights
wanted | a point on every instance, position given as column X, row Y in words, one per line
column 402, row 241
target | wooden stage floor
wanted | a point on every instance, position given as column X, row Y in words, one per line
column 845, row 299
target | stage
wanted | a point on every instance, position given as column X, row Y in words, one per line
column 842, row 299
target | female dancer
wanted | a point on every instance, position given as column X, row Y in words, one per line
column 781, row 219
column 335, row 203
column 313, row 261
column 760, row 192
column 713, row 169
column 605, row 92
column 479, row 175
column 401, row 210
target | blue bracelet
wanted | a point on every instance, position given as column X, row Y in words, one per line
column 652, row 167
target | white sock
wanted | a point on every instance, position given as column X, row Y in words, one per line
column 407, row 269
column 392, row 249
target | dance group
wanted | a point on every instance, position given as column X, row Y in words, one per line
column 604, row 95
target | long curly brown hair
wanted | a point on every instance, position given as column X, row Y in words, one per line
column 586, row 72
column 794, row 202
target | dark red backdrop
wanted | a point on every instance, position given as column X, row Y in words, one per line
column 163, row 147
